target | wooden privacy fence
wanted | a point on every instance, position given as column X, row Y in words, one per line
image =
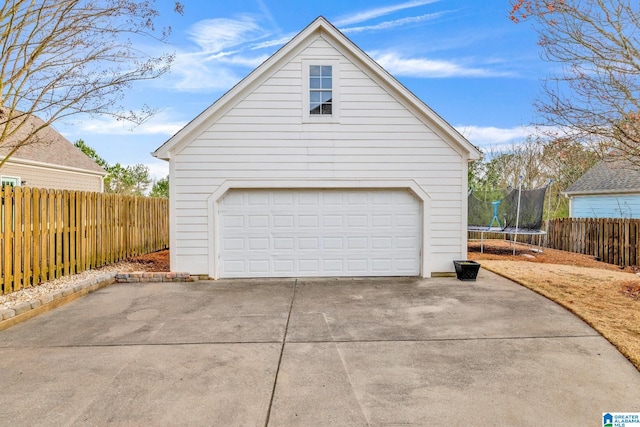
column 611, row 240
column 45, row 234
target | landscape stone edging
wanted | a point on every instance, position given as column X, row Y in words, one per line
column 94, row 283
column 143, row 276
column 87, row 285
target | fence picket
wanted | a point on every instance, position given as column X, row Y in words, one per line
column 7, row 216
column 35, row 236
column 17, row 238
column 27, row 238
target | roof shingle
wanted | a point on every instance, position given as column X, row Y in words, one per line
column 50, row 147
column 608, row 176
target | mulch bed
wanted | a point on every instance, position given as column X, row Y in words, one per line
column 154, row 261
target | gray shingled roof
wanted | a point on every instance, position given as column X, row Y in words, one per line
column 51, row 148
column 608, row 176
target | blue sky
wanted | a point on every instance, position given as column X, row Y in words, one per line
column 465, row 59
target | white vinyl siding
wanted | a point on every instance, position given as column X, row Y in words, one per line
column 53, row 178
column 264, row 137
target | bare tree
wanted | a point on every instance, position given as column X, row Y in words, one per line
column 566, row 160
column 64, row 57
column 503, row 167
column 538, row 161
column 595, row 95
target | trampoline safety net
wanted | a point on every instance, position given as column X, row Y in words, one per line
column 501, row 212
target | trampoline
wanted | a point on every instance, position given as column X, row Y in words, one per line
column 512, row 212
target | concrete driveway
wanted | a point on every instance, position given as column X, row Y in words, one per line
column 320, row 352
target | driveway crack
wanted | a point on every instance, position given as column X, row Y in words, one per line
column 284, row 341
column 346, row 369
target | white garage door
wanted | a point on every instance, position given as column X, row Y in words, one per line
column 297, row 233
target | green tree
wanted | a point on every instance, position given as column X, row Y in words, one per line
column 133, row 180
column 91, row 153
column 160, row 188
column 65, row 57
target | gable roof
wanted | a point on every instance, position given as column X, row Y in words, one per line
column 613, row 175
column 334, row 36
column 49, row 147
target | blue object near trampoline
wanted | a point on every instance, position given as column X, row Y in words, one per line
column 495, row 214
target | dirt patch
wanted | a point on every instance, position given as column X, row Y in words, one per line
column 631, row 290
column 154, row 261
column 503, row 250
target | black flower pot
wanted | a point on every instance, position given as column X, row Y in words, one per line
column 466, row 270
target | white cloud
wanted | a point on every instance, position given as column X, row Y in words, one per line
column 245, row 61
column 393, row 24
column 429, row 68
column 491, row 136
column 272, row 43
column 380, row 11
column 194, row 72
column 160, row 124
column 158, row 169
column 215, row 35
column 220, row 43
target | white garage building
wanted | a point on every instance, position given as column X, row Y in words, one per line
column 319, row 163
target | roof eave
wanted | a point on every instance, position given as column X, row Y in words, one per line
column 601, row 192
column 27, row 162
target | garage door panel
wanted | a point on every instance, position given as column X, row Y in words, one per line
column 233, row 221
column 285, row 233
column 283, row 243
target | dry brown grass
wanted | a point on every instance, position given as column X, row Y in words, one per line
column 607, row 300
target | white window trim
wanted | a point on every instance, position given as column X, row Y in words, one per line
column 16, row 178
column 335, row 95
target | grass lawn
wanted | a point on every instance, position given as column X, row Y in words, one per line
column 608, row 300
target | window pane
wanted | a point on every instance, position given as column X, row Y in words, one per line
column 320, row 90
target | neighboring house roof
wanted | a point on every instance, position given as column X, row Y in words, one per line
column 49, row 147
column 609, row 176
column 324, row 28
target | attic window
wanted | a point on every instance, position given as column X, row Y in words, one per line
column 320, row 90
